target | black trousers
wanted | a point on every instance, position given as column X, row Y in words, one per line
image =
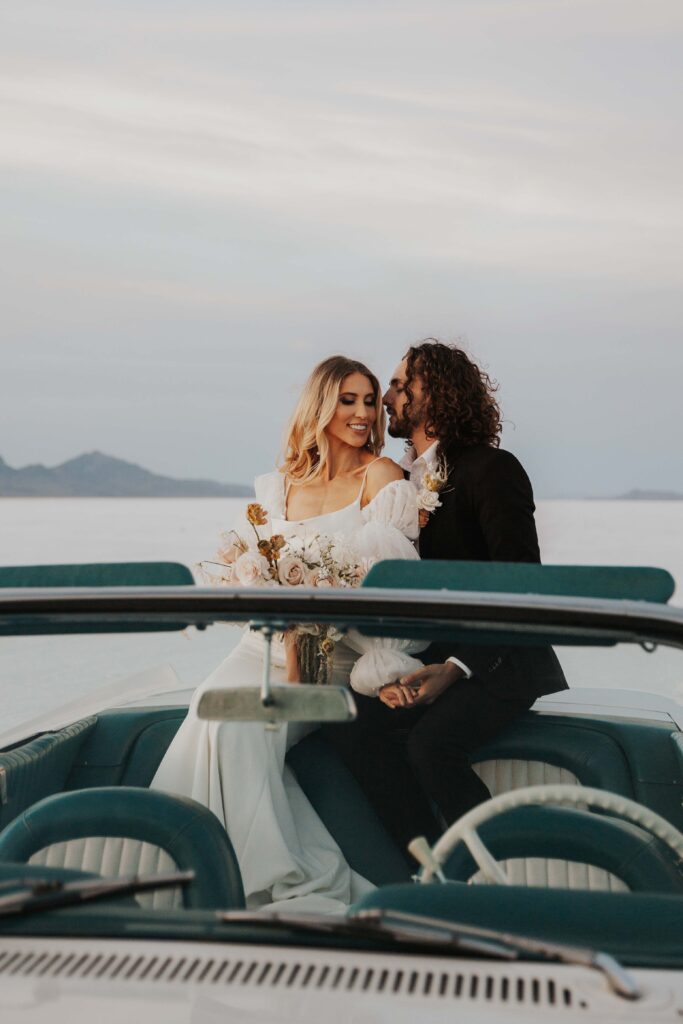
column 407, row 758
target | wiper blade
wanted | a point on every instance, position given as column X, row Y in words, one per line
column 402, row 927
column 617, row 977
column 38, row 894
column 360, row 926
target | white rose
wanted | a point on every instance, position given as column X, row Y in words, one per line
column 291, row 571
column 428, row 500
column 251, row 569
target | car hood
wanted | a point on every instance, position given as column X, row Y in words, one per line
column 110, row 981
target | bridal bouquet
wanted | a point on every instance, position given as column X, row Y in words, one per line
column 308, row 559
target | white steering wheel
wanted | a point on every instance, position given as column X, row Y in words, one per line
column 465, row 829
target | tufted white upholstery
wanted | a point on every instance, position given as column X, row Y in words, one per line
column 500, row 776
column 547, row 872
column 112, row 857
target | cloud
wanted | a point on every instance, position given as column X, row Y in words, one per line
column 253, row 185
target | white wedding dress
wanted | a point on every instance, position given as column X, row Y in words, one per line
column 236, row 769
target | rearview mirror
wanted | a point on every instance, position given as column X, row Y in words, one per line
column 296, row 702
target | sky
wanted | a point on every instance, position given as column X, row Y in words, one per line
column 199, row 201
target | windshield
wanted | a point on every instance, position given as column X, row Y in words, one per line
column 40, row 674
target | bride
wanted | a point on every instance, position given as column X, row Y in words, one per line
column 333, row 481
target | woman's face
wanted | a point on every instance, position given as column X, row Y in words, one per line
column 356, row 411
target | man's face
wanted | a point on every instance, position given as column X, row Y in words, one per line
column 402, row 421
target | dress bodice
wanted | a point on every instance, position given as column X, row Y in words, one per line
column 394, row 507
column 343, row 520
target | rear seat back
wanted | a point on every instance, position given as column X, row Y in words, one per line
column 126, row 748
column 39, row 768
column 540, row 749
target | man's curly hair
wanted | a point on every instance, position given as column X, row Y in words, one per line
column 459, row 398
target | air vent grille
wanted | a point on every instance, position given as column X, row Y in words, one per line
column 460, row 983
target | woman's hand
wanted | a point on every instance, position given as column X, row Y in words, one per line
column 423, row 517
column 292, row 671
column 394, row 696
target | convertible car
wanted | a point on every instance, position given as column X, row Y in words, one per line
column 561, row 897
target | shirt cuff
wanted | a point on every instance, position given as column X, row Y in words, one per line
column 462, row 665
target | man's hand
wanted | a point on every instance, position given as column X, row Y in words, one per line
column 394, row 696
column 428, row 683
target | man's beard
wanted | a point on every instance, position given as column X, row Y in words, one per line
column 399, row 427
column 403, row 426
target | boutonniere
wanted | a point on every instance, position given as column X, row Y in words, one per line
column 433, row 483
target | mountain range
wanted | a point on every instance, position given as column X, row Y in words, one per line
column 95, row 475
column 638, row 495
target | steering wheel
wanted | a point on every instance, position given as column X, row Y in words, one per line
column 465, row 829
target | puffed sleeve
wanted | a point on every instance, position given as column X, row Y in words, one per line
column 270, row 492
column 391, row 519
column 395, row 505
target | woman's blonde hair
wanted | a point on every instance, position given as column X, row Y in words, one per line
column 306, row 447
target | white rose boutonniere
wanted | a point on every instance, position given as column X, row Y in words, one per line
column 428, row 494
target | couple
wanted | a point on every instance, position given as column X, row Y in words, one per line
column 417, row 721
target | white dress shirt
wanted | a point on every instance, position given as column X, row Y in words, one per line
column 417, row 465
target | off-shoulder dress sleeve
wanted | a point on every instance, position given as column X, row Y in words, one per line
column 395, row 505
column 270, row 492
column 391, row 524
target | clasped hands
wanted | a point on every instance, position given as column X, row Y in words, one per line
column 420, row 687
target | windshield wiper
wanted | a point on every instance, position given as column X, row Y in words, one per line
column 38, row 894
column 402, row 927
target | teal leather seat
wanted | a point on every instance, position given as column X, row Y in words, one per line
column 590, row 754
column 121, row 830
column 97, row 574
column 566, row 848
column 610, row 582
column 126, row 747
column 39, row 768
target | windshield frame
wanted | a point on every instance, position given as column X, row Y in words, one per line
column 36, row 610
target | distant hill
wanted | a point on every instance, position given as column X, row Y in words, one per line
column 637, row 495
column 95, row 475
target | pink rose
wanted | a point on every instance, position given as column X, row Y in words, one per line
column 251, row 569
column 230, row 553
column 291, row 571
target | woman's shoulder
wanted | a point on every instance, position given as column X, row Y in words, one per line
column 380, row 472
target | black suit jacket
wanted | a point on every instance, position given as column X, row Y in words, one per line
column 487, row 514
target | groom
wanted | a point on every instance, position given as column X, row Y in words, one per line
column 411, row 747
